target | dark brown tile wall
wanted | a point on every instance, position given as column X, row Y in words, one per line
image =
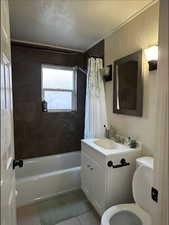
column 38, row 133
column 96, row 51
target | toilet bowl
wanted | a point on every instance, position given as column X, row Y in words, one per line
column 138, row 213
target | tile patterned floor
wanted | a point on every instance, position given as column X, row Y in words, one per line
column 89, row 218
column 63, row 207
column 29, row 215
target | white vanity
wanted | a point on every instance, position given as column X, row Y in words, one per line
column 107, row 171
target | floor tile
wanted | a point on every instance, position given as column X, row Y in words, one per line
column 72, row 221
column 89, row 218
column 28, row 215
column 63, row 207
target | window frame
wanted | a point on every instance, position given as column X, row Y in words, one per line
column 74, row 91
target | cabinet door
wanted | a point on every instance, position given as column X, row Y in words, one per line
column 98, row 186
column 86, row 175
column 93, row 182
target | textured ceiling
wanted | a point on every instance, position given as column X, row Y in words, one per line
column 75, row 24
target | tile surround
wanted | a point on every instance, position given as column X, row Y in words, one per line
column 39, row 134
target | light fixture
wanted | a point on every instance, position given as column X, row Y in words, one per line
column 107, row 73
column 152, row 57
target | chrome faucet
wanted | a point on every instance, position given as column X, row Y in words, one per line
column 110, row 133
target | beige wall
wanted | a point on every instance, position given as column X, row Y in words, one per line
column 139, row 33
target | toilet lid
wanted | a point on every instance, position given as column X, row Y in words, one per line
column 142, row 185
column 133, row 210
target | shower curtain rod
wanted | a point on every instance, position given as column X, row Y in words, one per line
column 85, row 71
column 82, row 70
column 96, row 57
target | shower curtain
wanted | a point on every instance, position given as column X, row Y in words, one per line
column 95, row 110
column 161, row 167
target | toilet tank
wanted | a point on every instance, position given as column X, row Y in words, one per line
column 145, row 160
column 143, row 183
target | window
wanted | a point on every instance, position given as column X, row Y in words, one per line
column 59, row 88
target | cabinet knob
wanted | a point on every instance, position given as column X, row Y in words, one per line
column 110, row 163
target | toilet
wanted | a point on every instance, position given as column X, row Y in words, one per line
column 138, row 213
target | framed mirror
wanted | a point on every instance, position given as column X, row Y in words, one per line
column 128, row 85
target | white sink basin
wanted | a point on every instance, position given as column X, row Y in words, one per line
column 109, row 144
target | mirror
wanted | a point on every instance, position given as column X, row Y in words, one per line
column 128, row 85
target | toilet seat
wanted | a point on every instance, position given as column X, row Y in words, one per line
column 133, row 208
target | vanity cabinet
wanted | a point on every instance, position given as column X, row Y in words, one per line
column 105, row 186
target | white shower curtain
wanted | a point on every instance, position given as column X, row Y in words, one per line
column 95, row 110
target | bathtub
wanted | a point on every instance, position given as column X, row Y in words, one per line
column 44, row 177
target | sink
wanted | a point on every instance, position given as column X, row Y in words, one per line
column 109, row 144
column 108, row 147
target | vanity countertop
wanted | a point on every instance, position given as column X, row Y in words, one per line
column 109, row 147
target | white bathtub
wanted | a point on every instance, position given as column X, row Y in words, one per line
column 47, row 176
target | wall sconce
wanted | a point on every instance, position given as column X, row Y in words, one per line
column 107, row 73
column 152, row 57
